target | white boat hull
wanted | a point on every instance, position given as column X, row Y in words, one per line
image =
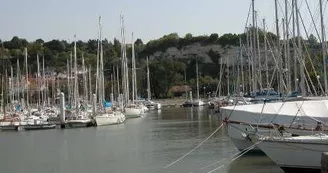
column 294, row 156
column 78, row 123
column 241, row 120
column 133, row 112
column 198, row 103
column 109, row 119
column 158, row 106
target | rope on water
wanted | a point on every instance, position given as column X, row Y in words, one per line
column 233, row 157
column 236, row 154
column 174, row 162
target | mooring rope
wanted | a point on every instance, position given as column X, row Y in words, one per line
column 233, row 157
column 236, row 154
column 174, row 162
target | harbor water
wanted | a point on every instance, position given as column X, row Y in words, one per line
column 142, row 145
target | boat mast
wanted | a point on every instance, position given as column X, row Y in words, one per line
column 118, row 82
column 101, row 72
column 11, row 84
column 44, row 84
column 253, row 30
column 38, row 81
column 148, row 82
column 85, row 84
column 90, row 87
column 266, row 56
column 98, row 54
column 197, row 79
column 126, row 68
column 324, row 51
column 241, row 65
column 18, row 82
column 258, row 51
column 280, row 79
column 71, row 77
column 133, row 70
column 2, row 95
column 134, row 76
column 68, row 82
column 294, row 48
column 75, row 78
column 287, row 60
column 299, row 50
column 27, row 83
column 114, row 83
column 249, row 61
column 123, row 63
column 3, row 85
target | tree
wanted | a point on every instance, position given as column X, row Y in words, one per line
column 213, row 38
column 188, row 36
column 312, row 40
column 55, row 45
column 39, row 41
column 138, row 42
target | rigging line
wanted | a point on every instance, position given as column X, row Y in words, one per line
column 313, row 68
column 301, row 108
column 283, row 103
column 169, row 165
column 234, row 155
column 275, row 60
column 298, row 110
column 311, row 15
column 316, row 16
column 241, row 154
column 300, row 59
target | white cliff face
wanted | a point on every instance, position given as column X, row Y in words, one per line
column 226, row 52
column 200, row 50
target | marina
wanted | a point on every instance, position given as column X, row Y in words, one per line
column 252, row 101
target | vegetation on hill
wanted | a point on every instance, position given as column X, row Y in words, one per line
column 165, row 72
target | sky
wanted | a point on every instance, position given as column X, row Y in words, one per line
column 147, row 19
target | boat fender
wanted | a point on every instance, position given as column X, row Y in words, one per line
column 246, row 136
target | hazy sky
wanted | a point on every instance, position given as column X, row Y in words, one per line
column 148, row 19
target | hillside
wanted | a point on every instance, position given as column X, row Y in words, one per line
column 172, row 58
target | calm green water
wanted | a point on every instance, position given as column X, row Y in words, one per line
column 143, row 145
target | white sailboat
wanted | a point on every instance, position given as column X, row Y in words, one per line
column 295, row 154
column 295, row 117
column 149, row 103
column 105, row 117
column 198, row 102
column 77, row 117
column 131, row 110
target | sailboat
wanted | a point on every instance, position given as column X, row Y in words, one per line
column 149, row 103
column 131, row 110
column 295, row 154
column 198, row 102
column 105, row 117
column 77, row 117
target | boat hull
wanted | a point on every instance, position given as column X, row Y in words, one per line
column 79, row 123
column 10, row 126
column 294, row 156
column 40, row 127
column 242, row 121
column 133, row 112
column 104, row 120
column 199, row 103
